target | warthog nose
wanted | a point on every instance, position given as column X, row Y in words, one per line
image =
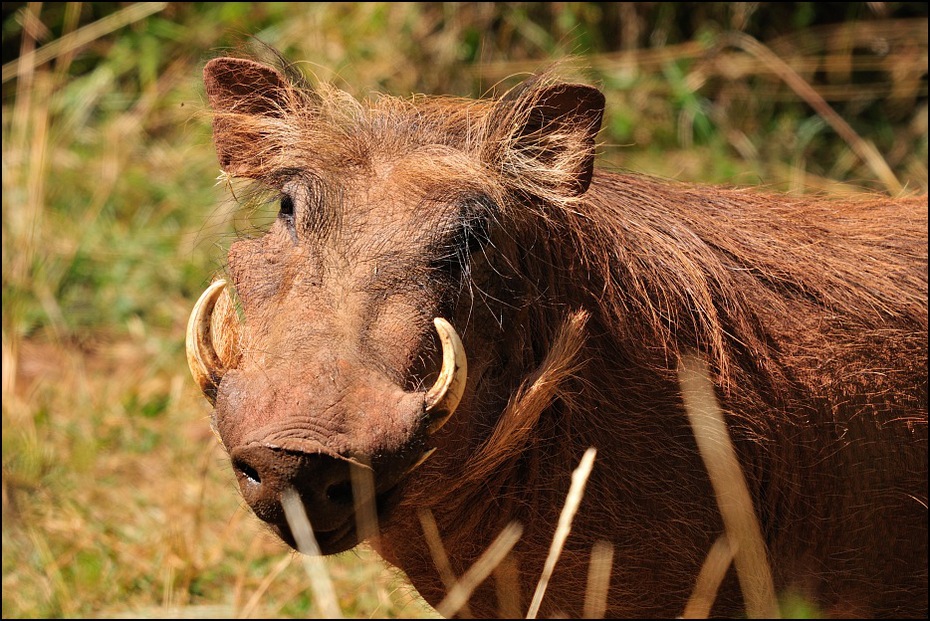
column 322, row 481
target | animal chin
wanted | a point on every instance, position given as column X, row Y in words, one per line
column 340, row 539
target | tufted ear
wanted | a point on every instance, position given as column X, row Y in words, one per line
column 544, row 134
column 243, row 94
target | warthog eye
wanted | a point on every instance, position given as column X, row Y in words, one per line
column 286, row 215
column 287, row 207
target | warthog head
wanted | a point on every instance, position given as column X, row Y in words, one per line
column 346, row 356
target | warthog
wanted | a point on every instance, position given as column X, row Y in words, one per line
column 453, row 300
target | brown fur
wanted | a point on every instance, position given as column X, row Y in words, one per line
column 575, row 313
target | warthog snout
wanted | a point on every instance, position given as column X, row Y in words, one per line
column 323, row 483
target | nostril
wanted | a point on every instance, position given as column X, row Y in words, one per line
column 340, row 493
column 247, row 471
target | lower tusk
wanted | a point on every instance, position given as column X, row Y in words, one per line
column 205, row 364
column 444, row 396
column 419, row 462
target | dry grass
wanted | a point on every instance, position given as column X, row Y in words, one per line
column 743, row 537
column 117, row 499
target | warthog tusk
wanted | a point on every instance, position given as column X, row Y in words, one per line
column 444, row 396
column 206, row 365
column 419, row 462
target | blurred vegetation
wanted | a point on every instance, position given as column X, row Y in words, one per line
column 117, row 500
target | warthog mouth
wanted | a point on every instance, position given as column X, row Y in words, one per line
column 344, row 536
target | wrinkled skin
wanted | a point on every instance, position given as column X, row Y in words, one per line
column 574, row 293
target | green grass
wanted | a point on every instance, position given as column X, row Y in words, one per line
column 117, row 499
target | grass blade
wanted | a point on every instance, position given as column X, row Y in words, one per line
column 575, row 492
column 726, row 477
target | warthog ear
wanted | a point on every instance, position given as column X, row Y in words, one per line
column 243, row 93
column 542, row 136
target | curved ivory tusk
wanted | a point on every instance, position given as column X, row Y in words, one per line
column 205, row 364
column 224, row 332
column 444, row 396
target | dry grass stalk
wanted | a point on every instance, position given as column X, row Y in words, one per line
column 595, row 596
column 82, row 36
column 256, row 598
column 25, row 159
column 440, row 558
column 726, row 477
column 643, row 59
column 9, row 366
column 708, row 581
column 799, row 85
column 323, row 591
column 482, row 568
column 575, row 492
column 507, row 584
column 363, row 497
